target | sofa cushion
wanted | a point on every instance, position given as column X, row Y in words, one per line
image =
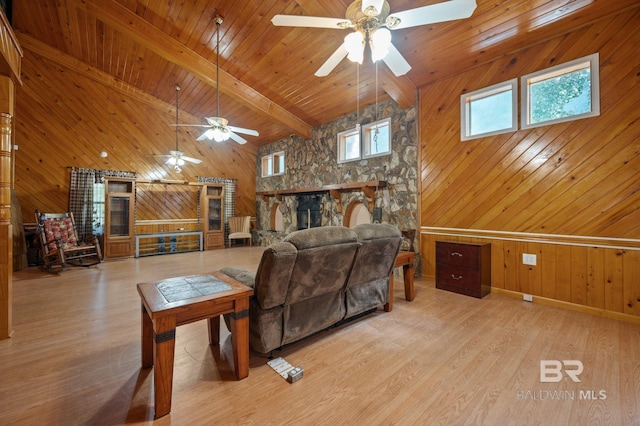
column 368, row 285
column 321, row 270
column 323, row 236
column 274, row 274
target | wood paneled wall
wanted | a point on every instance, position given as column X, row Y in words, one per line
column 156, row 201
column 568, row 192
column 64, row 118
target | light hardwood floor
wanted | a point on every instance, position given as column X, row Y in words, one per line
column 74, row 358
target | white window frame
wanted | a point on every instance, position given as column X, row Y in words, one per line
column 342, row 145
column 275, row 160
column 367, row 130
column 465, row 109
column 591, row 61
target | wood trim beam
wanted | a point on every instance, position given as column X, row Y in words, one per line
column 401, row 89
column 123, row 20
column 44, row 50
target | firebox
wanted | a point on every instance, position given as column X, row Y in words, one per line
column 309, row 211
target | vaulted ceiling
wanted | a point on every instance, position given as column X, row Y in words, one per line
column 267, row 77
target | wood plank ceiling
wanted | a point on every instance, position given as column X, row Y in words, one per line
column 267, row 77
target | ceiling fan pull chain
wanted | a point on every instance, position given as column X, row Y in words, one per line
column 357, row 95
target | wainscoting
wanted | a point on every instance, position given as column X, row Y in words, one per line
column 600, row 276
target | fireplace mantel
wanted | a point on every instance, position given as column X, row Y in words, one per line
column 368, row 188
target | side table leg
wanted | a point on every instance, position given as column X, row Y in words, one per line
column 214, row 330
column 165, row 343
column 147, row 339
column 239, row 322
column 409, row 293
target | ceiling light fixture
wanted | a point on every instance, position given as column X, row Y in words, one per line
column 177, row 158
column 371, row 21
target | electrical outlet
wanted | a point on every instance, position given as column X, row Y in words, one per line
column 527, row 297
column 528, row 259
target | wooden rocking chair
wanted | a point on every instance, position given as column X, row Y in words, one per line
column 60, row 244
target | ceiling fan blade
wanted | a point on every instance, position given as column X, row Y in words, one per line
column 309, row 21
column 332, row 62
column 191, row 159
column 396, row 62
column 440, row 12
column 190, row 125
column 245, row 131
column 202, row 137
column 374, row 4
column 237, row 138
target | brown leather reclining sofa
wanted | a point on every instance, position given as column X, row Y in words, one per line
column 316, row 278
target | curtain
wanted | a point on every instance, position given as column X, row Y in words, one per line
column 81, row 200
column 229, row 199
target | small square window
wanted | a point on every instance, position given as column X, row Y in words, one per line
column 568, row 91
column 349, row 145
column 273, row 164
column 489, row 111
column 376, row 138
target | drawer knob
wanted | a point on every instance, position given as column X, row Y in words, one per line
column 455, row 253
column 456, row 277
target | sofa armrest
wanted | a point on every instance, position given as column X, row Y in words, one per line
column 245, row 277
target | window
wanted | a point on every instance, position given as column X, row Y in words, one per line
column 98, row 209
column 273, row 164
column 489, row 111
column 372, row 140
column 565, row 92
column 349, row 145
column 376, row 138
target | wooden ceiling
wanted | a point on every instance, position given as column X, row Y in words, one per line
column 267, row 77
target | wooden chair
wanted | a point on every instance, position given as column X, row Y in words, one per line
column 60, row 244
column 239, row 228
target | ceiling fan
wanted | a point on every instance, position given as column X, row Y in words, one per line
column 177, row 158
column 218, row 128
column 372, row 20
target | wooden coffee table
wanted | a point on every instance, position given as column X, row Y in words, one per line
column 176, row 301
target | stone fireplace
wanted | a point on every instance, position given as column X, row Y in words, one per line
column 309, row 210
column 335, row 188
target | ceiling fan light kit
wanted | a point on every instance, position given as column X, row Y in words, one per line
column 218, row 128
column 371, row 21
column 176, row 158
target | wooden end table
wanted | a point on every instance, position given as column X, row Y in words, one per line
column 176, row 301
column 404, row 259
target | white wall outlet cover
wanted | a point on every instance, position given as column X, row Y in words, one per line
column 528, row 259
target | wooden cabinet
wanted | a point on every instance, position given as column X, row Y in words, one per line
column 212, row 215
column 463, row 268
column 119, row 238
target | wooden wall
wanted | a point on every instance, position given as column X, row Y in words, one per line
column 67, row 114
column 569, row 193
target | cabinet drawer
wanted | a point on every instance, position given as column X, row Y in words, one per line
column 453, row 276
column 467, row 255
